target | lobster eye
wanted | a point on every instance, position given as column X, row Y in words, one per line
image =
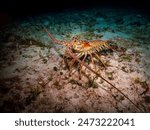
column 75, row 38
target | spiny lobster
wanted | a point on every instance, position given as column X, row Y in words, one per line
column 78, row 48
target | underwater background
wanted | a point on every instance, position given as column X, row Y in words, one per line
column 34, row 77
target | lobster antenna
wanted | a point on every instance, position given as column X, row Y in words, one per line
column 73, row 56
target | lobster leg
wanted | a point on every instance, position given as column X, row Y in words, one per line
column 81, row 66
column 99, row 59
column 70, row 66
column 92, row 60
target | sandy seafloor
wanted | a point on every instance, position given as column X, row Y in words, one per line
column 34, row 78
